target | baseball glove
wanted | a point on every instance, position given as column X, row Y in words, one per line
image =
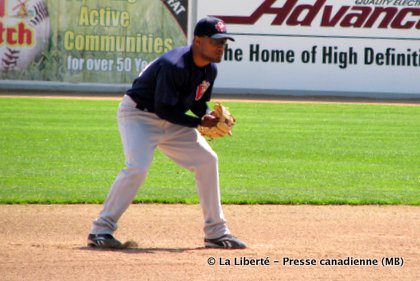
column 223, row 127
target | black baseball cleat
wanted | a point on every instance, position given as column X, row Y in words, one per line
column 103, row 241
column 227, row 241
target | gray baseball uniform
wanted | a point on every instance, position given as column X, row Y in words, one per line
column 153, row 115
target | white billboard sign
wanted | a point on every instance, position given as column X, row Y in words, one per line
column 361, row 47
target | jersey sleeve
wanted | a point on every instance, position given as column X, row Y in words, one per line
column 176, row 116
column 200, row 108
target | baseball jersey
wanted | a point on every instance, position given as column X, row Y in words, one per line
column 172, row 85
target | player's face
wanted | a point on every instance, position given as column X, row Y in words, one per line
column 211, row 49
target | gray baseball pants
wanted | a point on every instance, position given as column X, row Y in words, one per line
column 141, row 133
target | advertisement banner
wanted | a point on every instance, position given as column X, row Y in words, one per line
column 87, row 41
column 357, row 46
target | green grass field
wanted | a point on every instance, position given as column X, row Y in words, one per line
column 69, row 151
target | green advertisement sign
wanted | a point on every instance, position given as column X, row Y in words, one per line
column 87, row 41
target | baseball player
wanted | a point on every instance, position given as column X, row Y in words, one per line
column 152, row 115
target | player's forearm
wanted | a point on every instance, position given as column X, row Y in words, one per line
column 200, row 109
column 175, row 116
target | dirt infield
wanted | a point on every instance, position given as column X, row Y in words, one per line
column 47, row 242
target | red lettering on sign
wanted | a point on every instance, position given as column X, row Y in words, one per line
column 2, row 9
column 21, row 34
column 398, row 22
column 358, row 16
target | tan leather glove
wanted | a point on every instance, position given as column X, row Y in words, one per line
column 223, row 127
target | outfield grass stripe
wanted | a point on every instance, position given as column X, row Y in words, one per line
column 69, row 151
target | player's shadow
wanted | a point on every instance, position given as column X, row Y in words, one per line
column 139, row 250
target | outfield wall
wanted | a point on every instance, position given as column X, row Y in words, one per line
column 87, row 45
column 346, row 47
column 352, row 48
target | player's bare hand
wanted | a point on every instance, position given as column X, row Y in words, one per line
column 209, row 120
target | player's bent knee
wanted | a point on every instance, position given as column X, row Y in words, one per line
column 214, row 156
column 211, row 158
column 206, row 161
column 133, row 171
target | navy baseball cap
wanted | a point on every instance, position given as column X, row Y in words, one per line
column 212, row 27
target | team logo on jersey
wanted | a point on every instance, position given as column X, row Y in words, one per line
column 220, row 26
column 201, row 89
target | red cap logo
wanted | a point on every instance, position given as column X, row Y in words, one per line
column 220, row 26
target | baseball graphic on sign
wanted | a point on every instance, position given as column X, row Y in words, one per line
column 24, row 32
